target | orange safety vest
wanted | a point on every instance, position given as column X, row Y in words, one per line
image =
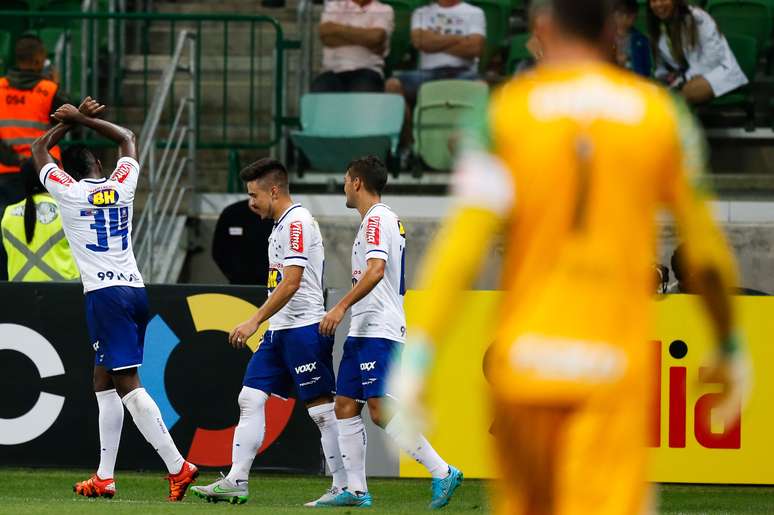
column 24, row 116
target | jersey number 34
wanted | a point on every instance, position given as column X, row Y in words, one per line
column 115, row 225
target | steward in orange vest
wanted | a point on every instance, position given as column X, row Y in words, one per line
column 27, row 99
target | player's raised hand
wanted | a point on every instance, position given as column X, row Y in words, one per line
column 67, row 113
column 90, row 107
column 331, row 321
column 241, row 333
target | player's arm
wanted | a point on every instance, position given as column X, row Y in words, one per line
column 122, row 136
column 291, row 282
column 371, row 277
column 41, row 146
column 707, row 258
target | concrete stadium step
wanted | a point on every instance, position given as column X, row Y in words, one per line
column 213, row 42
column 211, row 93
column 211, row 64
column 245, row 7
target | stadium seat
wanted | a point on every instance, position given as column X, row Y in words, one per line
column 518, row 52
column 749, row 17
column 338, row 127
column 436, row 116
column 497, row 14
column 400, row 42
column 745, row 50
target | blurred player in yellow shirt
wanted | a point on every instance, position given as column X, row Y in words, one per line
column 570, row 163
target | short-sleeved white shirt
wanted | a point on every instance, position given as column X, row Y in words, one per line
column 380, row 314
column 462, row 19
column 354, row 57
column 296, row 241
column 97, row 220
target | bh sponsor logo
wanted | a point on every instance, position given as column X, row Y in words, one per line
column 103, row 198
column 671, row 402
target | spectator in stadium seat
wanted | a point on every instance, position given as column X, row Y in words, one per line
column 28, row 96
column 632, row 46
column 450, row 37
column 691, row 54
column 356, row 39
column 240, row 243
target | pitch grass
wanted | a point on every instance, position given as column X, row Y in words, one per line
column 28, row 491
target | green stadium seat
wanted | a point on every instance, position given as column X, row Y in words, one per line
column 400, row 42
column 745, row 49
column 749, row 17
column 436, row 117
column 497, row 14
column 338, row 127
column 518, row 52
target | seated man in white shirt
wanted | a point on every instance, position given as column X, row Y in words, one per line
column 450, row 37
column 356, row 39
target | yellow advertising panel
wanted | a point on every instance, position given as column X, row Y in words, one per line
column 687, row 444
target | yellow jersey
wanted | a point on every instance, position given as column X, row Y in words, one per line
column 587, row 154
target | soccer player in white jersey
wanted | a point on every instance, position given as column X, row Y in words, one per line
column 293, row 354
column 97, row 220
column 376, row 335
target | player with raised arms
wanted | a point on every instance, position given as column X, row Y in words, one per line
column 97, row 220
column 292, row 355
column 375, row 340
column 570, row 164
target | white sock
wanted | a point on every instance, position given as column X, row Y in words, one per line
column 353, row 442
column 111, row 420
column 325, row 418
column 248, row 436
column 420, row 449
column 147, row 418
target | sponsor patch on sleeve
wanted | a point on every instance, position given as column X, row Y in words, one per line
column 372, row 231
column 296, row 236
column 61, row 177
column 122, row 172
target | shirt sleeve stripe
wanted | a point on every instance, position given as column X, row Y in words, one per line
column 377, row 250
column 296, row 257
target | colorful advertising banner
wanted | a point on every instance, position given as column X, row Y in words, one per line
column 688, row 444
column 48, row 415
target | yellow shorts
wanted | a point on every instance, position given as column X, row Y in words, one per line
column 571, row 460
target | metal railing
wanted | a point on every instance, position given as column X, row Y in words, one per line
column 241, row 59
column 162, row 214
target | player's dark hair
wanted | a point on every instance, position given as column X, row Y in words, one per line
column 32, row 187
column 78, row 161
column 585, row 19
column 371, row 171
column 266, row 168
column 28, row 47
column 627, row 6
